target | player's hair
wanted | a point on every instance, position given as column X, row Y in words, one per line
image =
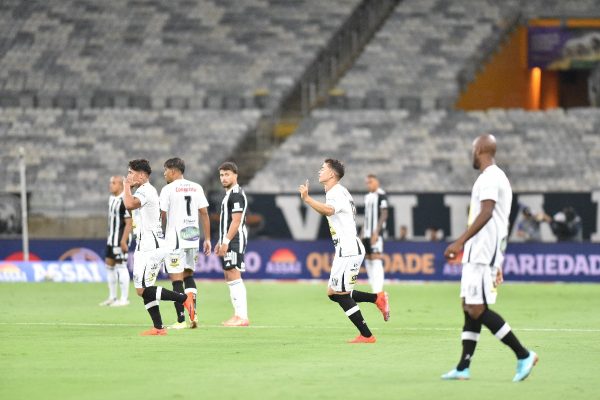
column 175, row 163
column 336, row 166
column 229, row 166
column 140, row 165
column 372, row 176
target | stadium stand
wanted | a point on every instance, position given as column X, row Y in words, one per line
column 159, row 54
column 430, row 151
column 71, row 153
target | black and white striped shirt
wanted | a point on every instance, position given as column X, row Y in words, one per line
column 234, row 202
column 117, row 214
column 374, row 202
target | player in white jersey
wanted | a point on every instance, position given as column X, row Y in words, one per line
column 483, row 245
column 150, row 251
column 376, row 214
column 349, row 251
column 183, row 205
column 117, row 245
column 233, row 239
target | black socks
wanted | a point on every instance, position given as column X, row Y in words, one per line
column 178, row 287
column 362, row 297
column 470, row 336
column 353, row 312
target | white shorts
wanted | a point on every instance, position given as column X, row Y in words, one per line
column 344, row 271
column 478, row 284
column 181, row 259
column 146, row 266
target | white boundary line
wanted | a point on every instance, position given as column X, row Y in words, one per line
column 415, row 329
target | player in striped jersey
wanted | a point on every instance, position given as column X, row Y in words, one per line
column 183, row 205
column 376, row 214
column 233, row 239
column 117, row 245
column 151, row 249
column 349, row 250
column 484, row 244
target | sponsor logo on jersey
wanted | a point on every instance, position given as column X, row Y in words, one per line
column 190, row 233
column 284, row 262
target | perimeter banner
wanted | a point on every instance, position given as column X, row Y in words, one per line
column 81, row 261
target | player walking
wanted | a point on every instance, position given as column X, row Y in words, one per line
column 484, row 244
column 150, row 251
column 233, row 239
column 349, row 251
column 376, row 214
column 183, row 204
column 117, row 245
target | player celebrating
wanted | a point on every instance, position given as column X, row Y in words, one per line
column 183, row 205
column 349, row 250
column 484, row 244
column 117, row 245
column 376, row 214
column 150, row 250
column 233, row 238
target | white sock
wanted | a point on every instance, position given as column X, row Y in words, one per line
column 237, row 292
column 111, row 276
column 369, row 268
column 377, row 275
column 123, row 275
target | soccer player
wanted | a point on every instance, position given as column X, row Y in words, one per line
column 233, row 238
column 376, row 214
column 117, row 245
column 349, row 251
column 484, row 243
column 150, row 251
column 183, row 204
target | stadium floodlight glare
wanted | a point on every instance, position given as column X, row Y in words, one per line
column 24, row 224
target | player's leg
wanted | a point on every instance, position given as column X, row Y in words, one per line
column 124, row 280
column 380, row 299
column 145, row 274
column 233, row 266
column 174, row 268
column 470, row 292
column 191, row 258
column 499, row 327
column 111, row 276
column 344, row 272
column 377, row 273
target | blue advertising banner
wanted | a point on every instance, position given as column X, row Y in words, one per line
column 81, row 261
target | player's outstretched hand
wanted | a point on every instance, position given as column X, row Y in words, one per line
column 303, row 189
column 453, row 250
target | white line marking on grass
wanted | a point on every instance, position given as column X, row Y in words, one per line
column 413, row 329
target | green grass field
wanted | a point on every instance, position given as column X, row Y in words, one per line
column 57, row 343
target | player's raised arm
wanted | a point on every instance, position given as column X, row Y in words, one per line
column 131, row 202
column 321, row 208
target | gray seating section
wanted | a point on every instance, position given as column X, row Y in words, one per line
column 71, row 154
column 156, row 54
column 429, row 49
column 431, row 152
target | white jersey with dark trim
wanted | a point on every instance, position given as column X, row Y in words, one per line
column 147, row 219
column 374, row 203
column 488, row 245
column 234, row 202
column 342, row 224
column 181, row 200
column 117, row 214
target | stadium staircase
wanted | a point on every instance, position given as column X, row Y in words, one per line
column 314, row 86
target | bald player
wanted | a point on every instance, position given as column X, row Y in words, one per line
column 117, row 245
column 483, row 245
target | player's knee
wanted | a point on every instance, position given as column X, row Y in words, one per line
column 474, row 311
column 332, row 297
column 140, row 291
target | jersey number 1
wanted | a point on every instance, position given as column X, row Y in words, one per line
column 188, row 201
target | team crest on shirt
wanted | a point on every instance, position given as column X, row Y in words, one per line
column 190, row 233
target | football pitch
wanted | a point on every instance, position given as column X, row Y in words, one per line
column 57, row 343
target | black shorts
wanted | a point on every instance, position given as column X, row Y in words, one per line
column 376, row 249
column 117, row 255
column 233, row 260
